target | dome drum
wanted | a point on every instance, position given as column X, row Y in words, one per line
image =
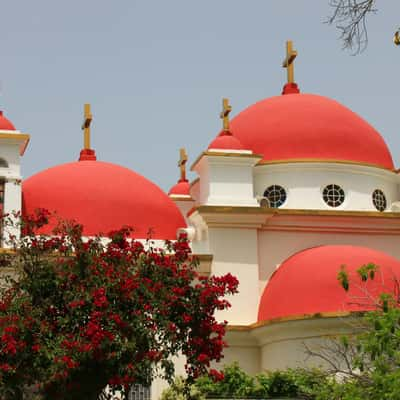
column 305, row 182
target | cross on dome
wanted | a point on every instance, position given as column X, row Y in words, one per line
column 288, row 62
column 86, row 125
column 182, row 163
column 87, row 154
column 224, row 115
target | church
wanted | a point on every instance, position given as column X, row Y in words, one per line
column 290, row 190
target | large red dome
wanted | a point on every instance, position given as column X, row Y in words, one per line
column 307, row 126
column 5, row 124
column 103, row 197
column 306, row 283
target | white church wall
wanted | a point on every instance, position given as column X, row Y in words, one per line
column 283, row 344
column 275, row 246
column 195, row 191
column 9, row 152
column 203, row 188
column 184, row 206
column 226, row 179
column 235, row 251
column 304, row 184
column 231, row 185
column 248, row 357
column 10, row 173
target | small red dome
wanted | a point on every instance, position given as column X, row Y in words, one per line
column 306, row 283
column 182, row 188
column 225, row 142
column 307, row 126
column 5, row 124
column 103, row 197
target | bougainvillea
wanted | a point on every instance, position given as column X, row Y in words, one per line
column 79, row 315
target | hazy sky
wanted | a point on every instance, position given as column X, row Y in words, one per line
column 155, row 72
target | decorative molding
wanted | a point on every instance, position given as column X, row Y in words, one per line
column 324, row 161
column 222, row 154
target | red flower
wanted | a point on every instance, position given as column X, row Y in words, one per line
column 216, row 375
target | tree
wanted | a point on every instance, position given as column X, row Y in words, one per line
column 350, row 17
column 77, row 315
column 368, row 363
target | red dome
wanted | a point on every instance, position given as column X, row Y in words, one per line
column 5, row 124
column 182, row 188
column 306, row 283
column 103, row 197
column 226, row 142
column 307, row 126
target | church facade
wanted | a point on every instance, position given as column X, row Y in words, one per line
column 293, row 188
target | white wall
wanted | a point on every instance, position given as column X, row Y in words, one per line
column 283, row 344
column 226, row 179
column 11, row 175
column 235, row 251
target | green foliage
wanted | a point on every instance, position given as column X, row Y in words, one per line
column 237, row 384
column 371, row 358
column 343, row 278
column 181, row 390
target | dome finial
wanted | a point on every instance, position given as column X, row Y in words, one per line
column 87, row 153
column 288, row 63
column 224, row 115
column 182, row 164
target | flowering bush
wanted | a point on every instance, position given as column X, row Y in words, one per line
column 82, row 314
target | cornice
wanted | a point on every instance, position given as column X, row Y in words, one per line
column 324, row 161
column 180, row 197
column 294, row 220
column 18, row 137
column 335, row 314
column 284, row 211
column 226, row 155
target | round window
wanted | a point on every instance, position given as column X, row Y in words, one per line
column 379, row 200
column 276, row 195
column 333, row 195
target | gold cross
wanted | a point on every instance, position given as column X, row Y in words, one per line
column 224, row 115
column 86, row 126
column 182, row 163
column 288, row 61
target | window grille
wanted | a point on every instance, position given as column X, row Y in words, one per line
column 379, row 200
column 276, row 195
column 139, row 392
column 333, row 195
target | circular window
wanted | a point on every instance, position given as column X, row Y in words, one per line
column 276, row 195
column 379, row 200
column 333, row 195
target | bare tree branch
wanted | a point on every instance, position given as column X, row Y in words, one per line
column 350, row 17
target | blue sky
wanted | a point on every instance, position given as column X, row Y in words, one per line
column 155, row 72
